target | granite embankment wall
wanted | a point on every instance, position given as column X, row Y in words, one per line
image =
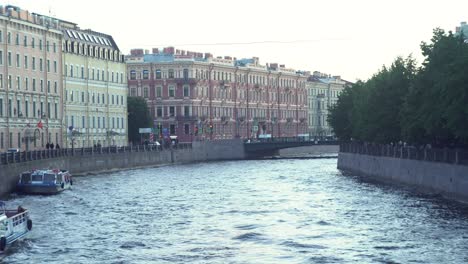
column 94, row 163
column 450, row 180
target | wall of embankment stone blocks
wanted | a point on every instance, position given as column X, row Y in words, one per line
column 78, row 164
column 450, row 180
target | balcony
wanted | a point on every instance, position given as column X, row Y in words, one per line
column 185, row 80
column 260, row 119
column 225, row 119
column 187, row 118
column 223, row 84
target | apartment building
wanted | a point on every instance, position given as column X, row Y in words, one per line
column 30, row 80
column 95, row 85
column 323, row 91
column 196, row 96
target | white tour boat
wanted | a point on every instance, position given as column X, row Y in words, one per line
column 14, row 224
column 44, row 181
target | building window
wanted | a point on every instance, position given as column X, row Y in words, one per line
column 1, row 80
column 186, row 110
column 33, row 64
column 1, row 57
column 171, row 111
column 55, row 47
column 55, row 67
column 1, row 106
column 158, row 74
column 186, row 90
column 26, row 109
column 17, row 39
column 25, row 42
column 55, row 87
column 145, row 92
column 9, row 37
column 158, row 91
column 17, row 60
column 186, row 129
column 26, row 64
column 26, row 83
column 9, row 58
column 18, row 82
column 171, row 91
column 48, row 65
column 145, row 74
column 171, row 74
column 172, row 129
column 40, row 64
column 186, row 74
column 133, row 91
column 132, row 75
column 159, row 111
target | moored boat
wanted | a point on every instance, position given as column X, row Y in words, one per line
column 14, row 224
column 44, row 181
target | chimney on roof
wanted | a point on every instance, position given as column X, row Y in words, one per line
column 274, row 66
column 155, row 51
column 337, row 77
column 168, row 50
column 227, row 58
column 208, row 55
column 146, row 51
column 282, row 66
column 255, row 60
column 136, row 52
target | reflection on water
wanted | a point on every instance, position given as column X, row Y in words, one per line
column 270, row 211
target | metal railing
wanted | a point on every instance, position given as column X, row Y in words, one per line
column 446, row 155
column 291, row 140
column 16, row 157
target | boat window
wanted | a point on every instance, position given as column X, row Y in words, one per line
column 49, row 177
column 59, row 178
column 26, row 178
column 36, row 177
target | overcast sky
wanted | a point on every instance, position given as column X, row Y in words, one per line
column 340, row 37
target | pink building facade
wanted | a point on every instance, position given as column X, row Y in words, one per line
column 30, row 80
column 194, row 96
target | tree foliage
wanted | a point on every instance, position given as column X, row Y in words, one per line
column 138, row 117
column 424, row 105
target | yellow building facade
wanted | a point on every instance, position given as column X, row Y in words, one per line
column 95, row 89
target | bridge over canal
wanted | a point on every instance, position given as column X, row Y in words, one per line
column 272, row 146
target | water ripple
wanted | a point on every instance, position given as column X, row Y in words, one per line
column 274, row 211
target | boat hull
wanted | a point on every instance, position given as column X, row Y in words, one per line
column 40, row 188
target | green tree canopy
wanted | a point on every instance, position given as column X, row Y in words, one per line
column 138, row 117
column 425, row 105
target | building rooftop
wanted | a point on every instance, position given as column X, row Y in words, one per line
column 89, row 37
column 170, row 54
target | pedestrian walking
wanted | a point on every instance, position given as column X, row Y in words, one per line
column 51, row 145
column 47, row 145
column 57, row 146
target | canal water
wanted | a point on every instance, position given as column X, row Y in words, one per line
column 263, row 211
